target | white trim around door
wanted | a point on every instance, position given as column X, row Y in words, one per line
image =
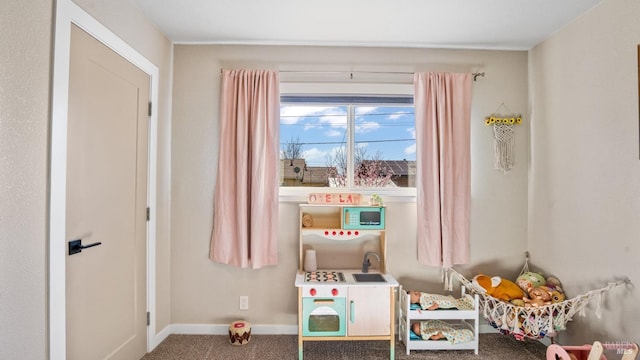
column 68, row 13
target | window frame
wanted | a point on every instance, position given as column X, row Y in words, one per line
column 390, row 195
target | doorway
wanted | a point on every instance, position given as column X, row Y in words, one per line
column 68, row 13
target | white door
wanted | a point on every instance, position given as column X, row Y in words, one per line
column 106, row 203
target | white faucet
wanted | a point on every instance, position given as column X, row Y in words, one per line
column 366, row 262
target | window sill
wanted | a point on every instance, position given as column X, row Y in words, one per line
column 299, row 194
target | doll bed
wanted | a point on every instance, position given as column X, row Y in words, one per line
column 459, row 319
column 534, row 322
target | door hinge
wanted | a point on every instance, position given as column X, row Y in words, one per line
column 148, row 318
column 148, row 214
column 149, row 108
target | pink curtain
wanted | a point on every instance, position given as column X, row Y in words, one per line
column 443, row 114
column 246, row 194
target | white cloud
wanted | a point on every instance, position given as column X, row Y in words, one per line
column 363, row 127
column 331, row 116
column 314, row 156
column 310, row 126
column 363, row 110
column 367, row 126
column 336, row 119
column 410, row 149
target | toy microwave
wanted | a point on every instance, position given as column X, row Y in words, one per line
column 362, row 218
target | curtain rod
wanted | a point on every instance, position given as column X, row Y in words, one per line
column 328, row 72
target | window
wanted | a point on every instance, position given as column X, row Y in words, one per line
column 348, row 142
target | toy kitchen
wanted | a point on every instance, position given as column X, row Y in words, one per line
column 344, row 291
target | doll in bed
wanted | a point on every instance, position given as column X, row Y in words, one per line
column 440, row 330
column 428, row 301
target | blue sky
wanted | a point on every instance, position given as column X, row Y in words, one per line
column 389, row 130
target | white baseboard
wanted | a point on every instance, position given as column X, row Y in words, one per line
column 223, row 329
column 159, row 337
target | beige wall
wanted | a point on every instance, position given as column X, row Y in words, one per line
column 585, row 168
column 26, row 35
column 24, row 125
column 573, row 201
column 204, row 292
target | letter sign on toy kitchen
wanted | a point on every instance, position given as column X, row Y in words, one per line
column 338, row 198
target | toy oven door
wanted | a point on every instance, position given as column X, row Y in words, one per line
column 324, row 316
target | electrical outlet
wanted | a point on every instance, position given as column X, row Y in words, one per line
column 244, row 302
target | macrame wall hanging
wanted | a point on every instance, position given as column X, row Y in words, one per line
column 504, row 136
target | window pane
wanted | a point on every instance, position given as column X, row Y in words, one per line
column 318, row 147
column 384, row 146
column 312, row 137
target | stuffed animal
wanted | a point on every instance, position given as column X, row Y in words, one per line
column 498, row 287
column 557, row 294
column 528, row 280
column 553, row 283
column 538, row 296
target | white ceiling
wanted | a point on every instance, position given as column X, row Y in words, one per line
column 473, row 24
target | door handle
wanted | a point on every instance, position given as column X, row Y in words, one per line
column 75, row 246
column 352, row 311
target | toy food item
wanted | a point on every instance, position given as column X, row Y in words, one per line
column 498, row 287
column 528, row 280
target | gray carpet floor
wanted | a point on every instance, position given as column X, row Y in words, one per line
column 285, row 347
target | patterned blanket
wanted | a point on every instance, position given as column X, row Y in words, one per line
column 436, row 329
column 436, row 301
